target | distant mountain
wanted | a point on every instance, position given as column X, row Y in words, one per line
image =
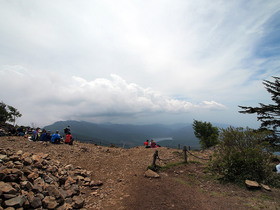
column 128, row 135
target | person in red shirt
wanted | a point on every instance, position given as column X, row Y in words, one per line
column 146, row 144
column 68, row 139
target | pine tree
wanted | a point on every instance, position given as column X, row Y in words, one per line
column 269, row 115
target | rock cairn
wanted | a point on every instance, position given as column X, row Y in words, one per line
column 31, row 181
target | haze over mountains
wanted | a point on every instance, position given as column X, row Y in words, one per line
column 128, row 135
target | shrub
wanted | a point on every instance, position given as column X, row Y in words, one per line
column 242, row 154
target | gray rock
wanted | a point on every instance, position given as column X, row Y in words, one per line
column 16, row 202
column 36, row 202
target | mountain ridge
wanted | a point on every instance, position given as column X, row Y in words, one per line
column 129, row 135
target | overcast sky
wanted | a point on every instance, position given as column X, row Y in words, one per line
column 138, row 61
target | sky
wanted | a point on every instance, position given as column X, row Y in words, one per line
column 138, row 61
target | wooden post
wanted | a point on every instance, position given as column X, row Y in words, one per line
column 189, row 148
column 185, row 154
column 155, row 158
column 178, row 146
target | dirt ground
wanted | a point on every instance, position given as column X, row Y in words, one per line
column 185, row 186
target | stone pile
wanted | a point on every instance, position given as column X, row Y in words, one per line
column 31, row 181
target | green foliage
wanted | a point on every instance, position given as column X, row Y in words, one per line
column 3, row 113
column 8, row 113
column 206, row 133
column 242, row 155
column 269, row 114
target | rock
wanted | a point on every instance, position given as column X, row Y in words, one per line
column 35, row 202
column 6, row 188
column 78, row 202
column 4, row 157
column 16, row 202
column 54, row 191
column 36, row 158
column 49, row 202
column 26, row 185
column 32, row 176
column 151, row 174
column 267, row 188
column 252, row 184
column 27, row 161
column 95, row 183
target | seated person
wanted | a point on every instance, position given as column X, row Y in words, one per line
column 48, row 136
column 68, row 139
column 153, row 144
column 146, row 144
column 43, row 135
column 56, row 138
column 35, row 136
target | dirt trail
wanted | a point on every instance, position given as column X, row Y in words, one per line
column 124, row 186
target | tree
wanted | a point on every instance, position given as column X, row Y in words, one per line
column 8, row 113
column 206, row 133
column 3, row 113
column 269, row 115
column 13, row 114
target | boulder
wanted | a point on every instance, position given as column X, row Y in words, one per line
column 151, row 174
column 252, row 184
column 267, row 188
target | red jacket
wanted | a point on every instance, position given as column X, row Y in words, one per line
column 68, row 138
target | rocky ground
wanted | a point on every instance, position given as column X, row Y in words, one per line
column 113, row 178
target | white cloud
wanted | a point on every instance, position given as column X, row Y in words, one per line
column 56, row 96
column 199, row 50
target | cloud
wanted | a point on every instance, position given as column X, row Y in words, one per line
column 214, row 54
column 62, row 97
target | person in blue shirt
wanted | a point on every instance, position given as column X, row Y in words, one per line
column 56, row 138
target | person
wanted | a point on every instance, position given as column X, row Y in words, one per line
column 48, row 136
column 43, row 135
column 67, row 130
column 278, row 168
column 153, row 144
column 56, row 138
column 20, row 131
column 35, row 135
column 68, row 139
column 146, row 144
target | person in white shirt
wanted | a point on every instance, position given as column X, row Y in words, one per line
column 278, row 168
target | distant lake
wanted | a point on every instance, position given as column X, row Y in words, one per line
column 162, row 139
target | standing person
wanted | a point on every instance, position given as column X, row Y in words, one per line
column 56, row 138
column 146, row 144
column 67, row 130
